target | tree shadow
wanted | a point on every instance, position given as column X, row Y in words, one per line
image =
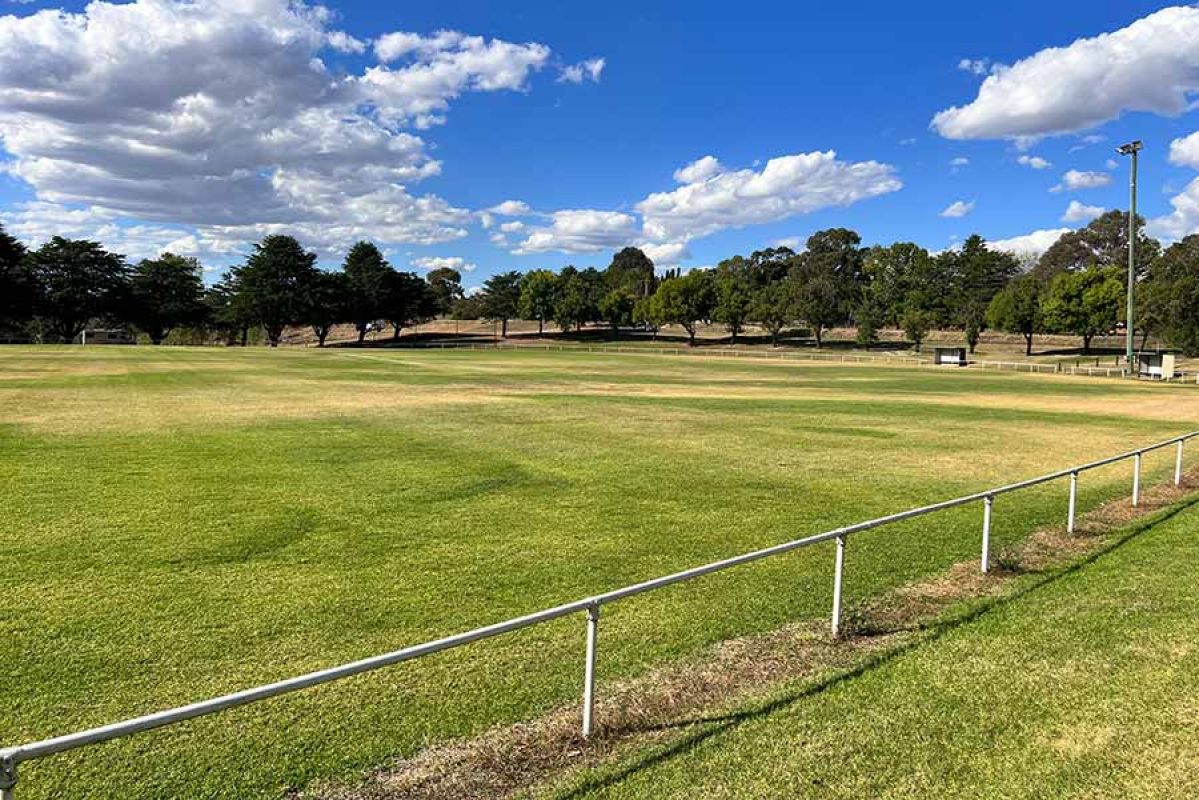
column 714, row 726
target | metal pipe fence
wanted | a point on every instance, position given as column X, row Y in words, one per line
column 11, row 757
column 1034, row 367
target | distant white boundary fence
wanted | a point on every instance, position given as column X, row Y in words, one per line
column 1037, row 367
column 10, row 757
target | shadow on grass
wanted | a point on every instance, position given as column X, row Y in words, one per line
column 715, row 726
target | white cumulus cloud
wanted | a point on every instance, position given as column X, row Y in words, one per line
column 511, row 208
column 785, row 186
column 699, row 170
column 1151, row 65
column 1029, row 244
column 712, row 198
column 581, row 231
column 221, row 119
column 1074, row 180
column 1036, row 162
column 591, row 69
column 1078, row 212
column 1183, row 220
column 443, row 262
column 975, row 66
column 958, row 208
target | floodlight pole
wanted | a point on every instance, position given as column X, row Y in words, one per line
column 1132, row 148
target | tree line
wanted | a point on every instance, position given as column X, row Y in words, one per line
column 1076, row 287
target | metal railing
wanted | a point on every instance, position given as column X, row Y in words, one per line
column 889, row 358
column 10, row 757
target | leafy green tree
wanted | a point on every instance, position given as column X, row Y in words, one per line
column 275, row 284
column 226, row 310
column 734, row 295
column 577, row 301
column 469, row 307
column 500, row 298
column 1169, row 298
column 331, row 301
column 916, row 323
column 645, row 312
column 1017, row 309
column 632, row 271
column 445, row 285
column 165, row 293
column 773, row 308
column 368, row 277
column 537, row 293
column 78, row 281
column 869, row 318
column 837, row 252
column 975, row 274
column 819, row 296
column 616, row 308
column 407, row 299
column 1102, row 243
column 900, row 276
column 685, row 301
column 18, row 292
column 974, row 320
column 1085, row 303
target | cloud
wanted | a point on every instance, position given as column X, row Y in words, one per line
column 666, row 255
column 784, row 187
column 1184, row 152
column 1151, row 65
column 1030, row 244
column 511, row 208
column 581, row 231
column 584, row 70
column 1074, row 180
column 1184, row 219
column 960, row 161
column 958, row 208
column 975, row 66
column 713, row 198
column 221, row 119
column 443, row 262
column 37, row 222
column 516, row 226
column 1077, row 212
column 795, row 243
column 699, row 170
column 1036, row 162
column 343, row 42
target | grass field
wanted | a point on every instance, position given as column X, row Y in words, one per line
column 185, row 522
column 1083, row 685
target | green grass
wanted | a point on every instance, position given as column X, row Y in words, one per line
column 180, row 523
column 1083, row 684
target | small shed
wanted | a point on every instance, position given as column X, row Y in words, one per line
column 950, row 356
column 1157, row 366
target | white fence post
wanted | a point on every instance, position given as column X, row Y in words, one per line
column 8, row 779
column 1073, row 502
column 1136, row 480
column 593, row 614
column 986, row 556
column 838, row 569
column 1178, row 465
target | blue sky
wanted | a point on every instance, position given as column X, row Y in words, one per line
column 679, row 82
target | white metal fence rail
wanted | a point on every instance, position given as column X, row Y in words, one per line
column 1035, row 367
column 10, row 757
